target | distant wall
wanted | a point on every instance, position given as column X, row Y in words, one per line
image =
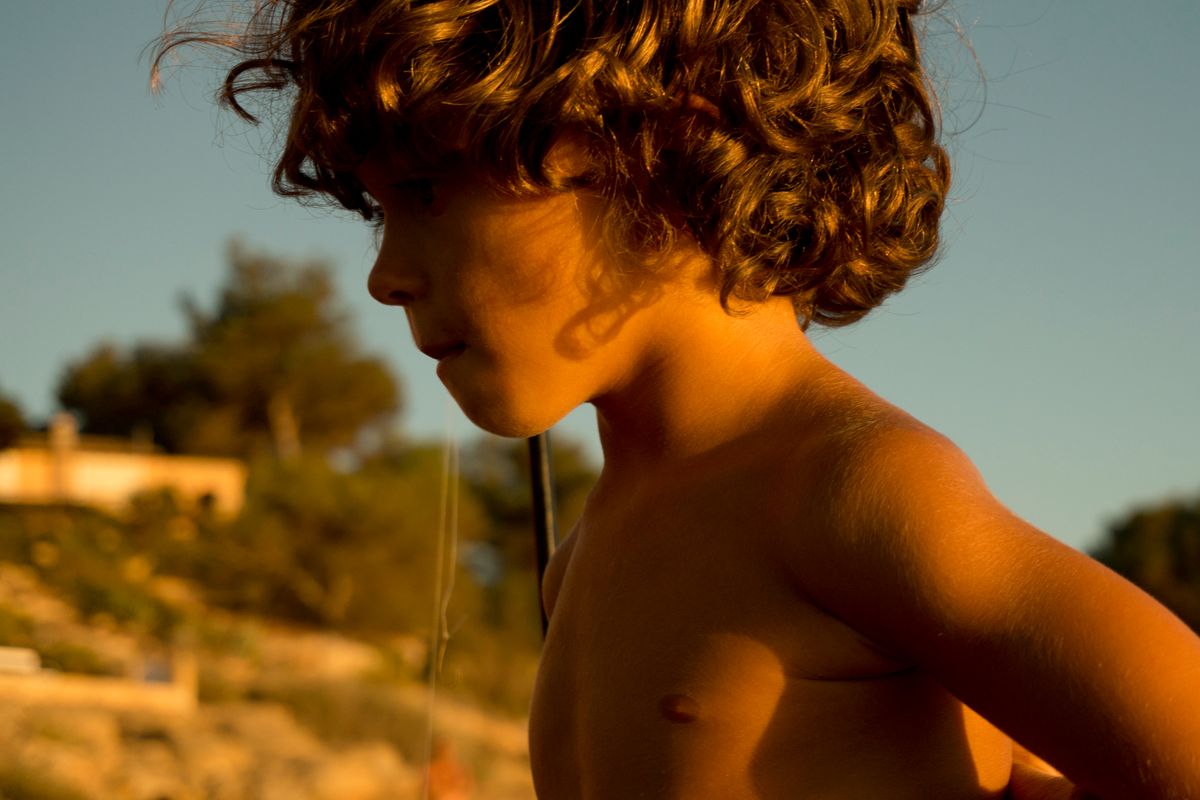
column 104, row 473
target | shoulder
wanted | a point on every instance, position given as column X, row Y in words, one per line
column 911, row 550
column 895, row 476
column 901, row 532
column 871, row 465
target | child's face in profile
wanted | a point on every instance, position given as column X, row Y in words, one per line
column 516, row 298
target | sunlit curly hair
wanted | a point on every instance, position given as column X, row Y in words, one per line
column 794, row 140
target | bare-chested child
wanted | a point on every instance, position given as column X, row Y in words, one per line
column 782, row 586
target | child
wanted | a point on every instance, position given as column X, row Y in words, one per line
column 782, row 586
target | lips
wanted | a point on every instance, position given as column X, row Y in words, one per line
column 441, row 350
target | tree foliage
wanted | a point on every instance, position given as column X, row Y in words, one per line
column 1158, row 548
column 12, row 422
column 497, row 472
column 150, row 389
column 272, row 365
column 352, row 550
column 270, row 371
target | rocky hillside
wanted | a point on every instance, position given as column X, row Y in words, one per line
column 282, row 713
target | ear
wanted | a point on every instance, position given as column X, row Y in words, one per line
column 569, row 158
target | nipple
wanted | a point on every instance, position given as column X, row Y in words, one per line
column 678, row 708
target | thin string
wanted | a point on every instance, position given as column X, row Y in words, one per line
column 445, row 560
column 451, row 563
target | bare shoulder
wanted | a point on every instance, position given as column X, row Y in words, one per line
column 870, row 464
column 892, row 475
column 905, row 544
column 900, row 513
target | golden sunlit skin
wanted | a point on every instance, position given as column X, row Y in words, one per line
column 511, row 296
column 782, row 586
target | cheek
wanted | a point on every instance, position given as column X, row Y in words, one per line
column 524, row 270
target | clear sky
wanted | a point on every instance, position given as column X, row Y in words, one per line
column 1057, row 340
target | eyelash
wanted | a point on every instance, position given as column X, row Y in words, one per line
column 419, row 192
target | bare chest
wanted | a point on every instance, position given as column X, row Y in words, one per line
column 684, row 661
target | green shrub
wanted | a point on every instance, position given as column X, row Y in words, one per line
column 16, row 629
column 492, row 669
column 67, row 657
column 130, row 605
column 344, row 712
column 22, row 782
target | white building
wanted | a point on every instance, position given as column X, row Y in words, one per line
column 65, row 467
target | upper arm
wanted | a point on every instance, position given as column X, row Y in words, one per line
column 1064, row 655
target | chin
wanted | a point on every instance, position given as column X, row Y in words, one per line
column 511, row 420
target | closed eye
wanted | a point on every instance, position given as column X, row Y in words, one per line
column 417, row 196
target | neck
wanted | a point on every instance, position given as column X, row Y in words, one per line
column 710, row 379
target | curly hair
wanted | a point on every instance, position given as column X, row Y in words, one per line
column 794, row 140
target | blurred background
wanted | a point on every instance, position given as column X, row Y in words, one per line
column 222, row 563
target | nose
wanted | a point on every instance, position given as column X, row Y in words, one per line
column 394, row 279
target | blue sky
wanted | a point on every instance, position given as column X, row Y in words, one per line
column 1057, row 340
